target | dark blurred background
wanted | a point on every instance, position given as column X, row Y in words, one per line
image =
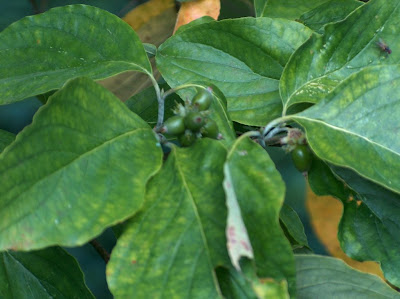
column 15, row 117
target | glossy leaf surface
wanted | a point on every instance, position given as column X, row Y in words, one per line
column 370, row 231
column 145, row 104
column 324, row 61
column 76, row 170
column 246, row 284
column 218, row 111
column 5, row 139
column 293, row 227
column 260, row 191
column 328, row 12
column 241, row 57
column 286, row 9
column 40, row 53
column 47, row 273
column 358, row 117
column 327, row 277
column 170, row 249
column 323, row 182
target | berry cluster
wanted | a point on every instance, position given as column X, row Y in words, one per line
column 191, row 120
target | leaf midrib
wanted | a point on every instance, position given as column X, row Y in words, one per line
column 202, row 231
column 87, row 153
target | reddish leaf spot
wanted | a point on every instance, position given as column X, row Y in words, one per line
column 231, row 231
column 245, row 245
column 133, row 262
column 38, row 41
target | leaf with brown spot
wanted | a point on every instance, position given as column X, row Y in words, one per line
column 191, row 11
column 325, row 213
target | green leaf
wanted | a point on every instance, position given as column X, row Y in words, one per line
column 328, row 12
column 327, row 277
column 324, row 61
column 359, row 118
column 145, row 104
column 259, row 6
column 293, row 226
column 170, row 249
column 233, row 284
column 251, row 176
column 218, row 111
column 47, row 273
column 323, row 182
column 287, row 9
column 76, row 170
column 202, row 20
column 40, row 53
column 364, row 237
column 246, row 284
column 5, row 139
column 241, row 57
column 371, row 231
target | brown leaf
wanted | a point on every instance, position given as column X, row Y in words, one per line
column 153, row 21
column 143, row 13
column 193, row 10
column 325, row 213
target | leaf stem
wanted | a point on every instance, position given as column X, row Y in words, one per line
column 100, row 250
column 160, row 99
column 276, row 123
column 161, row 96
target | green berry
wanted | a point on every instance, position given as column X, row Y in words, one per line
column 203, row 99
column 194, row 121
column 210, row 129
column 187, row 139
column 302, row 157
column 174, row 125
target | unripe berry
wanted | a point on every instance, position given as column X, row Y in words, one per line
column 203, row 99
column 174, row 125
column 194, row 121
column 210, row 129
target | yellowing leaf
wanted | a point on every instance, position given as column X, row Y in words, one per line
column 193, row 10
column 142, row 14
column 325, row 213
column 154, row 22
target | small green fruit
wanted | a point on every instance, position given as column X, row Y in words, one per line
column 210, row 129
column 194, row 121
column 174, row 125
column 187, row 139
column 203, row 99
column 302, row 157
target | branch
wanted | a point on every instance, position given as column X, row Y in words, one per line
column 100, row 250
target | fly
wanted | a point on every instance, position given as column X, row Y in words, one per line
column 384, row 47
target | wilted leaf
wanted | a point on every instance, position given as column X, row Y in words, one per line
column 196, row 9
column 259, row 191
column 325, row 214
column 154, row 22
column 144, row 13
column 369, row 231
